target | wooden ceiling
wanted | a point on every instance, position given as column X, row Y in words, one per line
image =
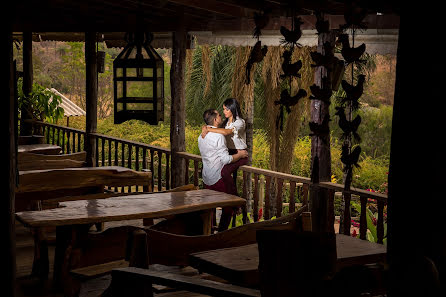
column 169, row 15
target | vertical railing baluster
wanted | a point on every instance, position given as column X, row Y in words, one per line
column 292, row 205
column 122, row 161
column 279, row 201
column 331, row 214
column 137, row 163
column 129, row 163
column 305, row 188
column 48, row 135
column 152, row 168
column 97, row 151
column 109, row 152
column 103, row 151
column 116, row 153
column 53, row 136
column 167, row 171
column 186, row 175
column 195, row 173
column 79, row 142
column 347, row 214
column 62, row 145
column 160, row 174
column 68, row 142
column 380, row 222
column 245, row 195
column 363, row 219
column 255, row 207
column 266, row 211
column 144, row 167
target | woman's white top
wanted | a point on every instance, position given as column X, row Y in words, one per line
column 238, row 138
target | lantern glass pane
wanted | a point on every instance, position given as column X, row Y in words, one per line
column 119, row 72
column 131, row 72
column 119, row 106
column 120, row 89
column 148, row 72
column 139, row 106
column 140, row 89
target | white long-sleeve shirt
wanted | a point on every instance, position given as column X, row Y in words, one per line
column 215, row 155
column 238, row 138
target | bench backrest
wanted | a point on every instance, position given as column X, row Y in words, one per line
column 31, row 161
column 172, row 249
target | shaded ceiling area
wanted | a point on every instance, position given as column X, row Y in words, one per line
column 194, row 15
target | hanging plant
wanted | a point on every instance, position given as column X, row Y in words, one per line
column 41, row 103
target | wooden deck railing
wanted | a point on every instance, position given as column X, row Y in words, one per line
column 114, row 151
column 280, row 190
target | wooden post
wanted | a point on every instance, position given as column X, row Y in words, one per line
column 91, row 94
column 320, row 144
column 177, row 111
column 9, row 170
column 427, row 203
column 27, row 87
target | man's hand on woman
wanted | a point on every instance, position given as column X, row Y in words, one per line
column 204, row 131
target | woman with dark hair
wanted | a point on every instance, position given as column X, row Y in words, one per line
column 235, row 134
column 234, row 127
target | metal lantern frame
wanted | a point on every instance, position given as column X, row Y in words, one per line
column 141, row 66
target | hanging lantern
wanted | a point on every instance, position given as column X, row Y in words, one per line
column 138, row 78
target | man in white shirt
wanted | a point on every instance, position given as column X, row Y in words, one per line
column 215, row 156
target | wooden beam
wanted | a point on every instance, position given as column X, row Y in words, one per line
column 9, row 170
column 214, row 6
column 177, row 112
column 91, row 94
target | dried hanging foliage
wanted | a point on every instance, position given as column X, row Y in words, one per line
column 294, row 120
column 242, row 92
column 283, row 142
column 189, row 63
column 271, row 70
column 206, row 62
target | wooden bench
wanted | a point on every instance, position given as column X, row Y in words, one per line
column 132, row 281
column 173, row 249
column 41, row 185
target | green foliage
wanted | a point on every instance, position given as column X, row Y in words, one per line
column 41, row 103
column 221, row 65
column 372, row 218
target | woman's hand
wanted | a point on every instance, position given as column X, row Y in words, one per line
column 204, row 131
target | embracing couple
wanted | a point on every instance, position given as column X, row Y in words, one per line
column 222, row 146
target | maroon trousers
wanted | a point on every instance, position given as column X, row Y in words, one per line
column 227, row 184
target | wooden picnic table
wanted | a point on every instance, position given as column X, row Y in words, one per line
column 74, row 218
column 239, row 265
column 41, row 148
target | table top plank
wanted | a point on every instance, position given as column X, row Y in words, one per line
column 152, row 205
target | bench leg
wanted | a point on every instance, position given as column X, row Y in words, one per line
column 41, row 261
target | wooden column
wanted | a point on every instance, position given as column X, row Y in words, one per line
column 26, row 127
column 177, row 111
column 320, row 144
column 91, row 94
column 9, row 170
column 417, row 212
